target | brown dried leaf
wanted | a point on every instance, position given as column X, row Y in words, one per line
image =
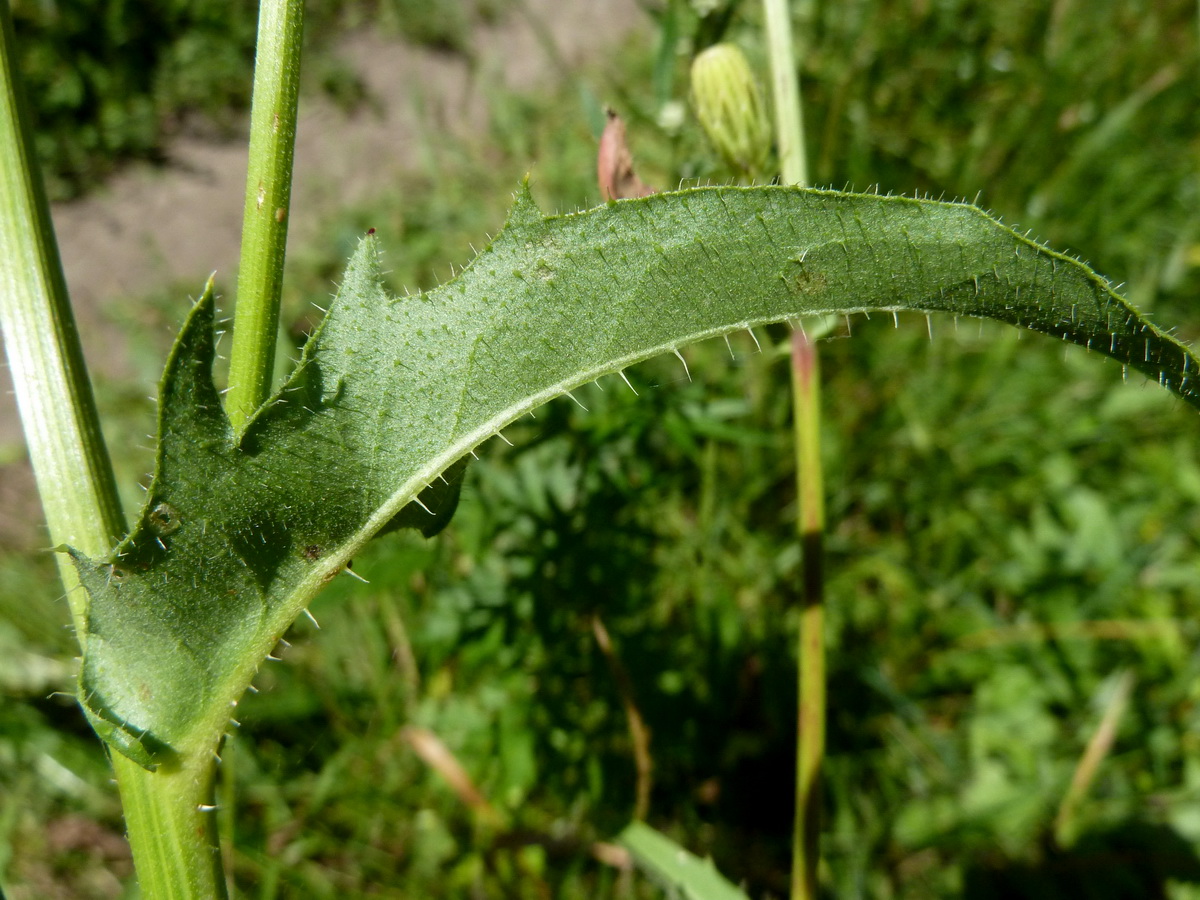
column 614, row 164
column 438, row 757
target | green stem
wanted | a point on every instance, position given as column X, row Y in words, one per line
column 172, row 828
column 268, row 200
column 58, row 412
column 806, row 387
column 789, row 118
column 170, row 841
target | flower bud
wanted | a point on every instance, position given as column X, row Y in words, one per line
column 730, row 107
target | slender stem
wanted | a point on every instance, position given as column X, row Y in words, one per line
column 639, row 733
column 268, row 200
column 806, row 386
column 58, row 412
column 1089, row 764
column 810, row 745
column 789, row 117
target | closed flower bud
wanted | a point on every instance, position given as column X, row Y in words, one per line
column 730, row 107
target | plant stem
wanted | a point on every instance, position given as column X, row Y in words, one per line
column 789, row 117
column 74, row 476
column 810, row 745
column 172, row 828
column 268, row 199
column 639, row 733
column 1089, row 764
column 58, row 412
column 806, row 386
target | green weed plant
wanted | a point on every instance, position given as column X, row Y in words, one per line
column 1013, row 527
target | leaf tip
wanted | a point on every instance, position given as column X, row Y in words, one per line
column 368, row 245
column 524, row 210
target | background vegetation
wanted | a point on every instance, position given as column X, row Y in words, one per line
column 1012, row 527
column 114, row 81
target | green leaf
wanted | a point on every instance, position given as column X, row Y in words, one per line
column 240, row 531
column 668, row 863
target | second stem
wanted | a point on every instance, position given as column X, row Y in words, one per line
column 810, row 747
column 268, row 204
column 810, row 715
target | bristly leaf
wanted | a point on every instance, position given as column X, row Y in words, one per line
column 239, row 533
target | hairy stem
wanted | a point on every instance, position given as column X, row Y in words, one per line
column 268, row 200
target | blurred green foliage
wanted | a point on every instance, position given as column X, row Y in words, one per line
column 107, row 80
column 114, row 80
column 1012, row 526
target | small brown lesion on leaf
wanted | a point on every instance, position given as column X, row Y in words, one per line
column 315, row 552
column 806, row 282
column 163, row 519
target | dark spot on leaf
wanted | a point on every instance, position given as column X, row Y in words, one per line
column 809, row 283
column 163, row 519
